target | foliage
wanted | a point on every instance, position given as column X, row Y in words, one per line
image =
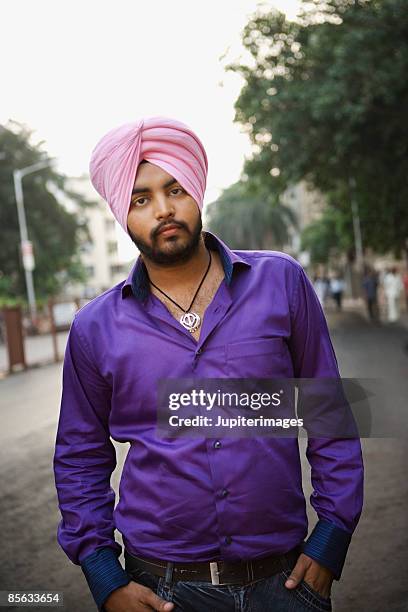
column 249, row 220
column 56, row 234
column 325, row 100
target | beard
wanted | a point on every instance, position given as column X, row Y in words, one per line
column 175, row 251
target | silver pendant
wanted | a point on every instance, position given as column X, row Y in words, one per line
column 191, row 321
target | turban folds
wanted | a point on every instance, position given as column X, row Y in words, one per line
column 165, row 142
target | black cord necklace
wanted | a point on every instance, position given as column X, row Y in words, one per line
column 190, row 320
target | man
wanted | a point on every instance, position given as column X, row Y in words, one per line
column 207, row 524
column 392, row 289
column 370, row 286
column 337, row 288
column 405, row 284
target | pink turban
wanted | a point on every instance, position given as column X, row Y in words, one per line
column 162, row 141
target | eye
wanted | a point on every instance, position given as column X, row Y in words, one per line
column 177, row 189
column 139, row 201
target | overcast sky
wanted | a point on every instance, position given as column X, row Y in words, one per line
column 73, row 69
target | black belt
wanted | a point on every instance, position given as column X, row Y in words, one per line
column 216, row 572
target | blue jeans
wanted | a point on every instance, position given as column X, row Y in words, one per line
column 263, row 595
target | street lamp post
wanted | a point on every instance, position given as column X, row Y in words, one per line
column 358, row 242
column 26, row 245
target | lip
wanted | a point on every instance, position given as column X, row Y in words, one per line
column 167, row 230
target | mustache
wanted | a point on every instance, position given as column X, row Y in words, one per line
column 160, row 227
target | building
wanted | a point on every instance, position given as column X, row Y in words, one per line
column 308, row 205
column 100, row 256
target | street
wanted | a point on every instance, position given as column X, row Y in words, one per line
column 374, row 577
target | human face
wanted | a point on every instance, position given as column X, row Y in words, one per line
column 159, row 200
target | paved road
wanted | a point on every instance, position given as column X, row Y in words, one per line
column 374, row 576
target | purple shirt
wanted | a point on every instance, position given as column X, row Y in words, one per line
column 198, row 499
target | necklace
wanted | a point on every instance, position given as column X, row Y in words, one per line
column 189, row 320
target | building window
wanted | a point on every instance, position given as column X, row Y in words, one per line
column 109, row 224
column 116, row 269
column 86, row 247
column 112, row 247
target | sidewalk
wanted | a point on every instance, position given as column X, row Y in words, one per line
column 358, row 308
column 39, row 351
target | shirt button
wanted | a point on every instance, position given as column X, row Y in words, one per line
column 228, row 540
column 217, row 444
column 224, row 493
column 199, row 351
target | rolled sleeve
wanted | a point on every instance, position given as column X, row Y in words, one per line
column 104, row 574
column 328, row 545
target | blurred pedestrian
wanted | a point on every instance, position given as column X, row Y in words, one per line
column 336, row 289
column 326, row 281
column 405, row 283
column 392, row 289
column 370, row 285
column 320, row 286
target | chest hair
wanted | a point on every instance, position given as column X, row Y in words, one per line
column 205, row 296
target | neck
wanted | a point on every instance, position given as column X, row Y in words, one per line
column 180, row 274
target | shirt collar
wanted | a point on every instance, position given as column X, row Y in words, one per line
column 137, row 282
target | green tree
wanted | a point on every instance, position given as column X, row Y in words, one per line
column 56, row 234
column 250, row 220
column 329, row 236
column 325, row 100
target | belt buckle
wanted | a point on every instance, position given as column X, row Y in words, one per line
column 215, row 573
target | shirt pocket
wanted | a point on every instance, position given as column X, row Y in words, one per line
column 257, row 358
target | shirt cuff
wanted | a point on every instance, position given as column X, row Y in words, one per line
column 104, row 574
column 328, row 545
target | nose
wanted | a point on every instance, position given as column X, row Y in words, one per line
column 163, row 208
